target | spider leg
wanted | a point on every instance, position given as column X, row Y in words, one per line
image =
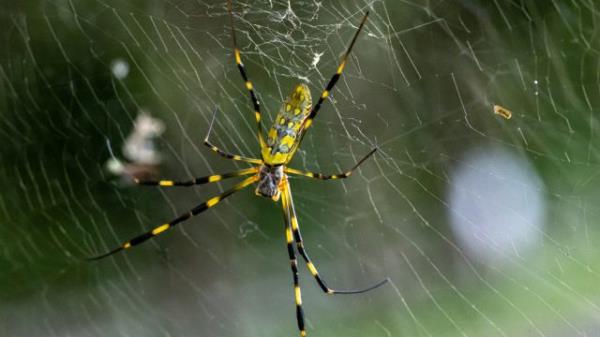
column 313, row 113
column 193, row 212
column 242, row 69
column 311, row 267
column 329, row 176
column 223, row 153
column 285, row 202
column 197, row 181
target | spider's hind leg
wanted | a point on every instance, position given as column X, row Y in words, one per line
column 247, row 82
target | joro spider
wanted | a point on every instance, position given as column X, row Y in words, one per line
column 270, row 172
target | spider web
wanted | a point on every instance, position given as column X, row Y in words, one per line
column 486, row 226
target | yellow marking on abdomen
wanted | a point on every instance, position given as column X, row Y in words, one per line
column 126, row 245
column 283, row 137
column 288, row 236
column 325, row 94
column 249, row 85
column 160, row 229
column 165, row 183
column 212, row 179
column 312, row 268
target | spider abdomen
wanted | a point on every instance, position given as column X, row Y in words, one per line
column 282, row 139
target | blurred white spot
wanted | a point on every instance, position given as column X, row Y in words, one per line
column 142, row 158
column 316, row 59
column 496, row 205
column 114, row 166
column 119, row 68
column 139, row 146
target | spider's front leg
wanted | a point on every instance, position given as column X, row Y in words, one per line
column 198, row 181
column 183, row 217
column 285, row 202
column 295, row 227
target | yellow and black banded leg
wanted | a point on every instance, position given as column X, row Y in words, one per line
column 329, row 176
column 247, row 82
column 293, row 264
column 198, row 181
column 335, row 78
column 231, row 156
column 311, row 267
column 325, row 94
column 223, row 153
column 193, row 212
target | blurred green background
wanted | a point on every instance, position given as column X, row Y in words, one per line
column 485, row 226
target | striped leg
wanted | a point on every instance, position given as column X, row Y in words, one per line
column 331, row 176
column 248, row 83
column 231, row 156
column 313, row 113
column 197, row 181
column 293, row 262
column 193, row 212
column 223, row 153
column 335, row 78
column 304, row 254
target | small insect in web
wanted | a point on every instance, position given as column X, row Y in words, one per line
column 270, row 173
column 502, row 111
column 142, row 158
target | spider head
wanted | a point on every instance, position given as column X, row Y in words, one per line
column 269, row 178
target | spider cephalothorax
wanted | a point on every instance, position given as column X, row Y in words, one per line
column 269, row 181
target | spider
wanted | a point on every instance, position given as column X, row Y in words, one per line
column 270, row 172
